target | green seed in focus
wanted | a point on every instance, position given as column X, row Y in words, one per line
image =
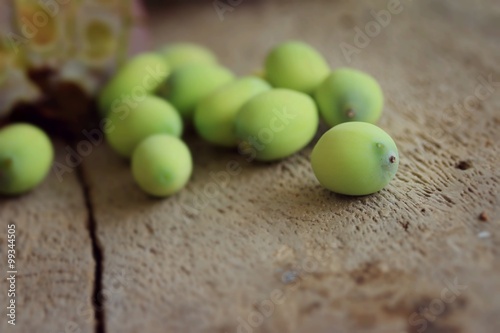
column 189, row 84
column 296, row 65
column 142, row 75
column 355, row 158
column 129, row 127
column 214, row 117
column 26, row 155
column 180, row 54
column 161, row 165
column 276, row 124
column 349, row 95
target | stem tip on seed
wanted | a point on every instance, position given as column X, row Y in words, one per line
column 350, row 113
column 392, row 159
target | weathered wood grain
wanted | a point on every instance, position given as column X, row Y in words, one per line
column 211, row 258
column 264, row 248
column 55, row 268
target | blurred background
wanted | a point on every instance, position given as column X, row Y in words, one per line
column 55, row 55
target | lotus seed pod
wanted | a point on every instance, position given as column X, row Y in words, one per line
column 355, row 158
column 349, row 95
column 42, row 30
column 129, row 125
column 276, row 124
column 26, row 155
column 140, row 76
column 296, row 65
column 57, row 54
column 99, row 35
column 180, row 54
column 162, row 165
column 5, row 61
column 15, row 85
column 189, row 84
column 214, row 118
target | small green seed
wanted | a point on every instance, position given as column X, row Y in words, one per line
column 296, row 65
column 276, row 124
column 355, row 158
column 161, row 165
column 214, row 118
column 26, row 155
column 349, row 95
column 180, row 54
column 142, row 75
column 260, row 73
column 130, row 126
column 189, row 84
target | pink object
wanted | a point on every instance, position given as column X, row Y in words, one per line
column 139, row 35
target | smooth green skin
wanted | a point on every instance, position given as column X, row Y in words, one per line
column 354, row 158
column 296, row 65
column 290, row 116
column 189, row 84
column 145, row 72
column 260, row 73
column 214, row 117
column 162, row 165
column 180, row 54
column 26, row 155
column 349, row 95
column 153, row 115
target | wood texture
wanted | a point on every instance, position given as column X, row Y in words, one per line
column 208, row 259
column 55, row 268
column 266, row 249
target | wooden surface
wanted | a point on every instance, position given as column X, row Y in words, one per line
column 54, row 263
column 267, row 249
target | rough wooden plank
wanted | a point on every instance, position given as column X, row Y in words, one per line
column 211, row 258
column 55, row 268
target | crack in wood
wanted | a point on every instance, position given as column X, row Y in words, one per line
column 97, row 294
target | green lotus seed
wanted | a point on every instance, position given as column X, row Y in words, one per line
column 214, row 118
column 26, row 155
column 142, row 75
column 296, row 65
column 180, row 54
column 187, row 85
column 129, row 127
column 260, row 73
column 161, row 165
column 355, row 158
column 276, row 124
column 349, row 95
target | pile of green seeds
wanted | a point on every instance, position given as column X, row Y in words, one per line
column 276, row 114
